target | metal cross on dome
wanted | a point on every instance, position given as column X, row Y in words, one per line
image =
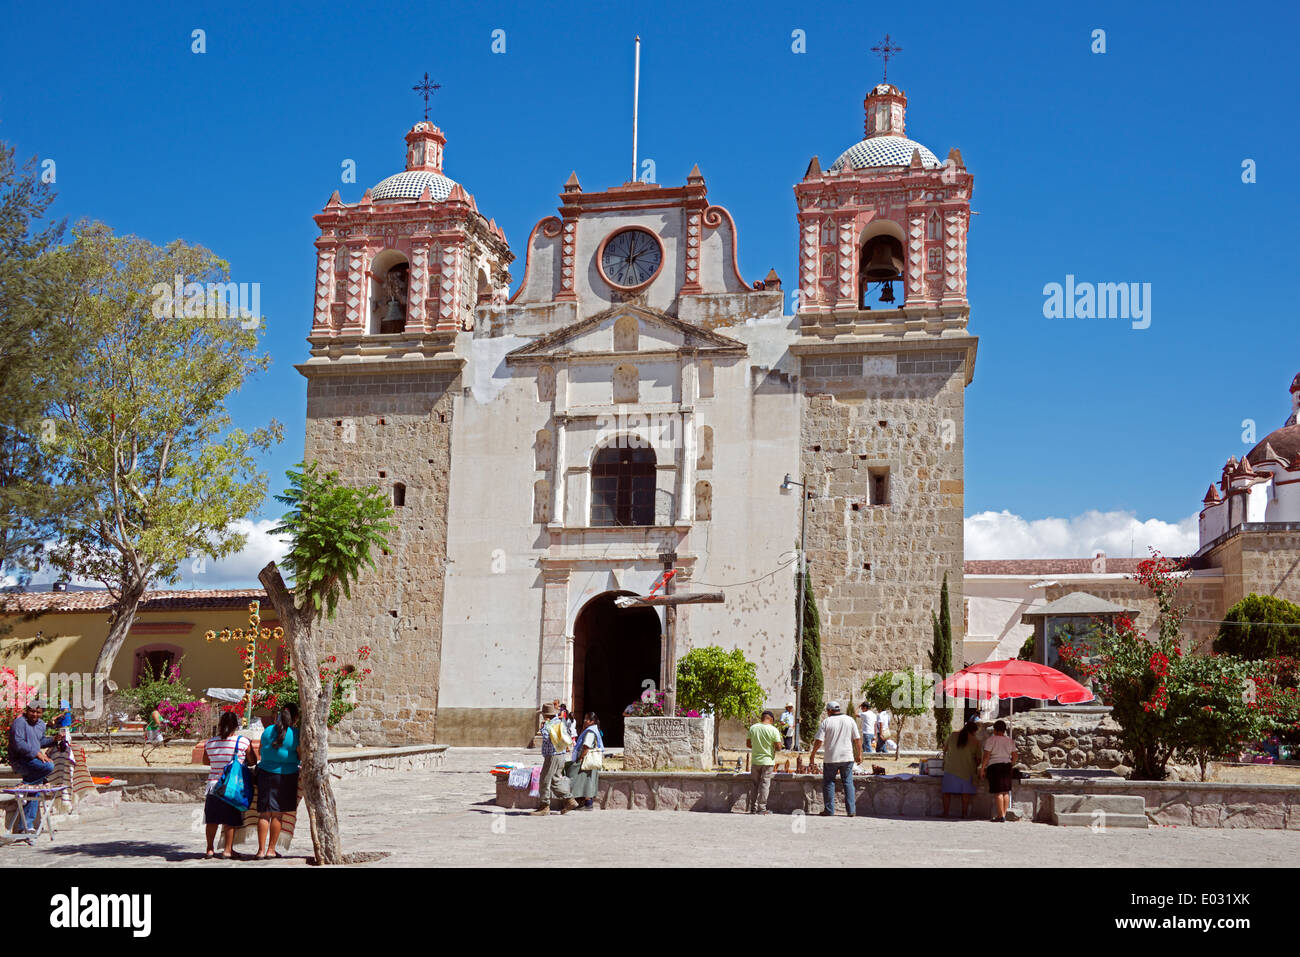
column 428, row 89
column 884, row 50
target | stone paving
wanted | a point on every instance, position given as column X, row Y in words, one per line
column 445, row 817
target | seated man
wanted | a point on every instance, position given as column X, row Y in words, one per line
column 27, row 741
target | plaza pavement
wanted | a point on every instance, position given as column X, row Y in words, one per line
column 444, row 817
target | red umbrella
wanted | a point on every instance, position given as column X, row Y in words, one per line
column 1015, row 679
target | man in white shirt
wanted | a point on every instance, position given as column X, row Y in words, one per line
column 843, row 742
column 882, row 729
column 869, row 721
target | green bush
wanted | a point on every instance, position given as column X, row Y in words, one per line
column 1260, row 627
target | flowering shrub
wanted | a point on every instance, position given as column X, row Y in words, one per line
column 152, row 689
column 14, row 695
column 651, row 705
column 1168, row 705
column 275, row 687
column 185, row 719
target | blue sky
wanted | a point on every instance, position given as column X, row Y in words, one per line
column 1122, row 166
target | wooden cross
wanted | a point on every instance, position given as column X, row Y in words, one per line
column 428, row 88
column 669, row 601
column 885, row 51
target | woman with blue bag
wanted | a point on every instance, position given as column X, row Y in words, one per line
column 229, row 782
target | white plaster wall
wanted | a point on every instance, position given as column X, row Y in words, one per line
column 994, row 606
column 492, row 619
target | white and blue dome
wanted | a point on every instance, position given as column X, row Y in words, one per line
column 884, row 151
column 409, row 184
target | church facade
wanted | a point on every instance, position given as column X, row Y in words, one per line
column 632, row 409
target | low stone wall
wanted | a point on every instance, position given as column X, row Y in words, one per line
column 1185, row 804
column 1048, row 739
column 650, row 743
column 182, row 785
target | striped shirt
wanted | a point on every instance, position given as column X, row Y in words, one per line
column 220, row 751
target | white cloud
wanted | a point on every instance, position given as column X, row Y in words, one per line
column 240, row 569
column 992, row 535
column 235, row 571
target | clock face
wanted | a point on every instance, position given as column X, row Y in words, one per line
column 631, row 258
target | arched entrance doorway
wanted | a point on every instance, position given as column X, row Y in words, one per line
column 614, row 651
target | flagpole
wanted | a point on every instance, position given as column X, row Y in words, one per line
column 636, row 103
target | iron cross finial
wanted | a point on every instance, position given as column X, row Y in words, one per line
column 885, row 50
column 428, row 88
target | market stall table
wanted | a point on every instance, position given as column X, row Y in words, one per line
column 43, row 795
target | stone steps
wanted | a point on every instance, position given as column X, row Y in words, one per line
column 1100, row 820
column 1098, row 811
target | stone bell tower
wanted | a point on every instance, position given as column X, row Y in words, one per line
column 885, row 359
column 399, row 275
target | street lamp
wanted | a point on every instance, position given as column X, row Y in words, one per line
column 786, row 486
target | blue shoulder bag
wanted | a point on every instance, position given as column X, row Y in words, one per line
column 235, row 785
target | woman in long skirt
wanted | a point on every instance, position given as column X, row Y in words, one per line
column 585, row 783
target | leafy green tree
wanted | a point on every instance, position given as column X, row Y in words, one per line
column 813, row 691
column 142, row 428
column 723, row 683
column 332, row 530
column 37, row 353
column 1213, row 708
column 941, row 661
column 1260, row 627
column 904, row 694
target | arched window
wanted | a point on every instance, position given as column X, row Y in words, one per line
column 399, row 494
column 545, row 384
column 703, row 501
column 623, row 487
column 541, row 501
column 484, row 292
column 625, row 334
column 627, row 383
column 157, row 660
column 389, row 281
column 934, row 227
column 544, row 449
column 705, row 459
column 706, row 379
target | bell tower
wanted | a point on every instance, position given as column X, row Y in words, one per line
column 400, row 276
column 885, row 357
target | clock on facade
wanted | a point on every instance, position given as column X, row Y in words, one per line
column 630, row 258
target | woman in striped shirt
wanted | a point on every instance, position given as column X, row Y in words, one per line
column 218, row 752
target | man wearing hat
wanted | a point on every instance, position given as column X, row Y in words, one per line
column 787, row 727
column 843, row 741
column 27, row 744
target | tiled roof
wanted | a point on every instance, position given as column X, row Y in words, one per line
column 98, row 600
column 1050, row 566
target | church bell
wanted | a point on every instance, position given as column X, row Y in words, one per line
column 394, row 312
column 885, row 262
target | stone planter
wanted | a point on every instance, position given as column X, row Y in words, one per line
column 652, row 743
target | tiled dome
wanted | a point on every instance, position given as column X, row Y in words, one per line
column 409, row 184
column 884, row 151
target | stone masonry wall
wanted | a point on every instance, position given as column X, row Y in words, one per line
column 379, row 429
column 876, row 569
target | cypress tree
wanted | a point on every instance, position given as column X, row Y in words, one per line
column 811, row 701
column 941, row 661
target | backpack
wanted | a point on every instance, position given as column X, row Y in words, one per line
column 235, row 785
